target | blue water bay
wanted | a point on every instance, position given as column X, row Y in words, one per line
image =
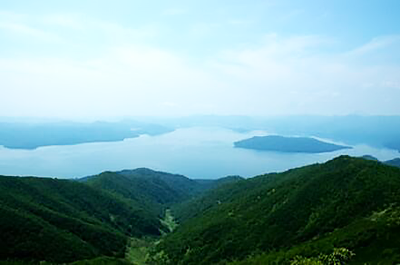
column 196, row 152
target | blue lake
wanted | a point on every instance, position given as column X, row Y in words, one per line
column 198, row 152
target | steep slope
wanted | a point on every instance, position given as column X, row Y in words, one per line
column 63, row 221
column 346, row 202
column 215, row 183
column 153, row 190
column 221, row 190
column 68, row 220
column 178, row 187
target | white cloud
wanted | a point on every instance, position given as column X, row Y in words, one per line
column 281, row 77
column 275, row 47
column 375, row 44
column 11, row 16
column 21, row 29
column 19, row 24
column 127, row 76
column 328, row 83
column 128, row 80
column 75, row 29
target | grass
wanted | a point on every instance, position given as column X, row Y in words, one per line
column 169, row 221
column 139, row 249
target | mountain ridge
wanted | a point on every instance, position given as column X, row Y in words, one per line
column 62, row 220
column 347, row 202
column 283, row 212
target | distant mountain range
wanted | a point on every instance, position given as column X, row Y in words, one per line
column 288, row 144
column 346, row 205
column 393, row 162
column 351, row 129
column 378, row 131
column 27, row 135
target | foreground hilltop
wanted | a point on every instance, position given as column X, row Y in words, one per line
column 67, row 220
column 63, row 220
column 350, row 204
column 347, row 203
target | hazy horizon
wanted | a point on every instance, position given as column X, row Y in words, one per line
column 101, row 59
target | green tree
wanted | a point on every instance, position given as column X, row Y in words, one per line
column 339, row 256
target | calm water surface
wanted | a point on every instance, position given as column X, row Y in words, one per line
column 199, row 152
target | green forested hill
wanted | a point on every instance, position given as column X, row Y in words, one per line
column 152, row 190
column 346, row 202
column 66, row 220
column 223, row 190
column 62, row 220
column 350, row 203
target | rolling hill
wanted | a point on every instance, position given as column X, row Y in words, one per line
column 144, row 187
column 346, row 202
column 63, row 220
column 60, row 221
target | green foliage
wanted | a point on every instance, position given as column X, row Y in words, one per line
column 169, row 221
column 196, row 206
column 340, row 256
column 102, row 261
column 62, row 221
column 303, row 211
column 153, row 191
column 309, row 215
column 149, row 190
column 65, row 220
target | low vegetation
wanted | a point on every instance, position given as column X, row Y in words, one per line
column 61, row 221
column 344, row 211
column 310, row 211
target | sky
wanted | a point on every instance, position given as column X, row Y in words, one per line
column 96, row 58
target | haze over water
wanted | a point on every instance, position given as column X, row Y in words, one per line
column 197, row 152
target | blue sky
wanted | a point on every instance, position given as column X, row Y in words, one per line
column 99, row 59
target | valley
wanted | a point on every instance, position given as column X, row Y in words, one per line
column 143, row 216
column 225, row 132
